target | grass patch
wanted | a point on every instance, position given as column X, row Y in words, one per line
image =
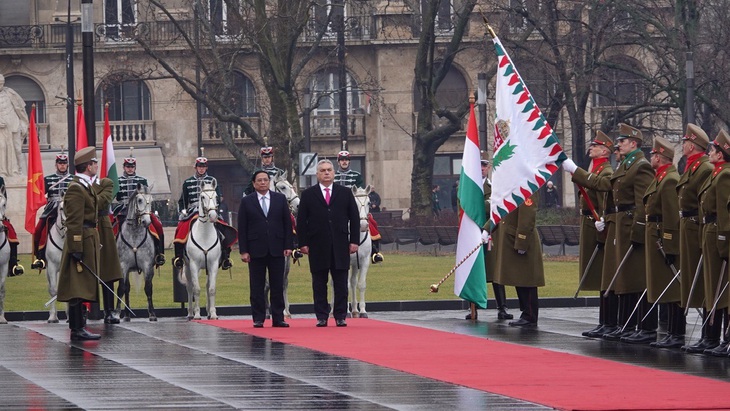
column 402, row 277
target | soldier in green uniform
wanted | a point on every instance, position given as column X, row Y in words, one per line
column 593, row 233
column 128, row 182
column 714, row 195
column 697, row 170
column 55, row 185
column 267, row 164
column 519, row 259
column 77, row 282
column 661, row 206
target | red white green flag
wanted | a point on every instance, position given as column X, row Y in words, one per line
column 108, row 160
column 81, row 137
column 526, row 149
column 470, row 281
column 35, row 193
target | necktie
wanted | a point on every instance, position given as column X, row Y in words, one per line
column 327, row 195
column 264, row 207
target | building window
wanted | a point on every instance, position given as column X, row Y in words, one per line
column 242, row 96
column 451, row 93
column 323, row 8
column 129, row 99
column 445, row 10
column 221, row 18
column 617, row 87
column 120, row 17
column 326, row 90
column 31, row 93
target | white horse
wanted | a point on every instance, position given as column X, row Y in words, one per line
column 281, row 185
column 136, row 248
column 203, row 251
column 4, row 259
column 360, row 261
column 54, row 250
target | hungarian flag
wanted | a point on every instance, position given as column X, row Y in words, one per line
column 470, row 281
column 35, row 192
column 81, row 138
column 108, row 161
column 526, row 149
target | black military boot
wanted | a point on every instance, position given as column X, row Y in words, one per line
column 108, row 296
column 77, row 323
column 40, row 261
column 226, row 263
column 14, row 268
column 178, row 261
column 501, row 299
column 159, row 253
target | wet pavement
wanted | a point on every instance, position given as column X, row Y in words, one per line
column 174, row 364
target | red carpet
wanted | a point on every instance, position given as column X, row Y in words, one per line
column 558, row 380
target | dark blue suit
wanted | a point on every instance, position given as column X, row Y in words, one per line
column 328, row 231
column 265, row 239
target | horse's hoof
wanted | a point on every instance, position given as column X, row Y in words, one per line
column 197, row 317
column 214, row 317
column 153, row 319
column 127, row 319
column 3, row 321
column 287, row 316
column 363, row 315
column 53, row 321
column 355, row 315
column 189, row 318
column 349, row 315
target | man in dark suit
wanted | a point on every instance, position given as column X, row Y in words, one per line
column 328, row 231
column 265, row 241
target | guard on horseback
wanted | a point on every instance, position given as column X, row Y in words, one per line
column 14, row 268
column 56, row 185
column 267, row 165
column 348, row 177
column 128, row 182
column 188, row 206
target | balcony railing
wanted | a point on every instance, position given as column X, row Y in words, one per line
column 356, row 28
column 328, row 126
column 134, row 132
column 44, row 137
column 212, row 130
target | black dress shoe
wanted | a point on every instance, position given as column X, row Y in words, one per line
column 468, row 316
column 701, row 345
column 719, row 351
column 604, row 329
column 111, row 319
column 672, row 341
column 666, row 337
column 281, row 324
column 523, row 323
column 592, row 331
column 82, row 335
column 640, row 337
column 258, row 324
column 321, row 323
column 617, row 334
column 341, row 323
column 502, row 314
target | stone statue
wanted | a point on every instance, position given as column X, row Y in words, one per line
column 13, row 129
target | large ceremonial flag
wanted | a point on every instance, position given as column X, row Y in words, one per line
column 108, row 161
column 81, row 139
column 526, row 149
column 35, row 192
column 470, row 281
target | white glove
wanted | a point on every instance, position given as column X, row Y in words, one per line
column 569, row 166
column 521, row 252
column 600, row 225
column 485, row 237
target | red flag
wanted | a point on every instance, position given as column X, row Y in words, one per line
column 81, row 139
column 35, row 193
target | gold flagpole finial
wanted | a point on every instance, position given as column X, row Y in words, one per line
column 472, row 99
column 486, row 23
column 266, row 141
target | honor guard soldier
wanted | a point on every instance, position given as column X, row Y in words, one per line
column 349, row 178
column 697, row 170
column 188, row 206
column 267, row 164
column 714, row 194
column 490, row 260
column 594, row 234
column 661, row 206
column 128, row 182
column 55, row 185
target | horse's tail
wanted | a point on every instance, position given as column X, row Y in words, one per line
column 182, row 277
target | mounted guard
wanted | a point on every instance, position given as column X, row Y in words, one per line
column 56, row 185
column 188, row 208
column 267, row 165
column 128, row 182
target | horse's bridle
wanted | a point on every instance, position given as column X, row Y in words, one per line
column 61, row 224
column 139, row 215
column 289, row 200
column 363, row 205
column 203, row 208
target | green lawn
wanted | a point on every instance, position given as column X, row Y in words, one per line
column 403, row 277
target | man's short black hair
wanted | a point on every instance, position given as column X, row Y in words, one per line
column 253, row 177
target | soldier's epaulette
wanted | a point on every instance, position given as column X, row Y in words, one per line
column 661, row 176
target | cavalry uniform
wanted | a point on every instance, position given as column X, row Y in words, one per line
column 111, row 269
column 351, row 178
column 661, row 206
column 598, row 184
column 714, row 195
column 55, row 186
column 128, row 183
column 697, row 171
column 519, row 259
column 269, row 167
column 80, row 259
column 14, row 267
column 188, row 206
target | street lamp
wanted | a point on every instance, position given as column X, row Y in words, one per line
column 307, row 126
column 87, row 42
column 482, row 105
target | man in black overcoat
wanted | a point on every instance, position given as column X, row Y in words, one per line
column 328, row 231
column 265, row 240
